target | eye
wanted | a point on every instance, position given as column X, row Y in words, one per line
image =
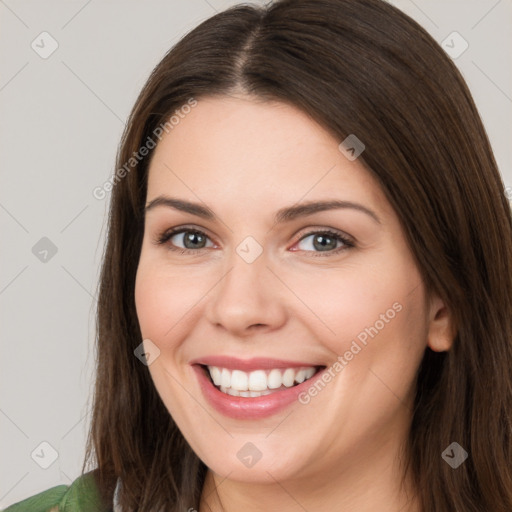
column 192, row 239
column 326, row 242
column 323, row 242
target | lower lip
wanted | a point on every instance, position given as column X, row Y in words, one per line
column 240, row 407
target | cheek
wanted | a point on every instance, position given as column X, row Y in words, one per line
column 350, row 301
column 371, row 316
column 164, row 305
column 164, row 301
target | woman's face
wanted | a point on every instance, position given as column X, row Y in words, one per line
column 272, row 291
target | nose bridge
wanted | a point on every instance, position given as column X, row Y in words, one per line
column 245, row 295
column 245, row 280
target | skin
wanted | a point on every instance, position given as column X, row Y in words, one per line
column 245, row 159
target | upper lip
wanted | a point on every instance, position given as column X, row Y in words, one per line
column 255, row 363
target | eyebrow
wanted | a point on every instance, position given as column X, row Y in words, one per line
column 284, row 215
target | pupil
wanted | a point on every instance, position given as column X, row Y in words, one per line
column 191, row 237
column 322, row 244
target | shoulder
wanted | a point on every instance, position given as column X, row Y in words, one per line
column 80, row 496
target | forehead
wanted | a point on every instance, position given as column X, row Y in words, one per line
column 260, row 152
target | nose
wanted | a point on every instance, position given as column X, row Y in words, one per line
column 247, row 299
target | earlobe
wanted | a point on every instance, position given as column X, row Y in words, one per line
column 441, row 332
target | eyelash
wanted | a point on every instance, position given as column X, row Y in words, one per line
column 167, row 235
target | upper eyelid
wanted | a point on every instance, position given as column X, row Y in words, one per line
column 307, row 232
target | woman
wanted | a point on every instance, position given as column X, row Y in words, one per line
column 306, row 291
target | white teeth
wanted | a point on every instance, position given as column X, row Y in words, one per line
column 274, row 379
column 215, row 373
column 300, row 377
column 309, row 373
column 239, row 380
column 225, row 378
column 288, row 377
column 258, row 382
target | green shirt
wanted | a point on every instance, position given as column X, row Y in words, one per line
column 80, row 496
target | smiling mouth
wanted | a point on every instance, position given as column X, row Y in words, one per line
column 258, row 382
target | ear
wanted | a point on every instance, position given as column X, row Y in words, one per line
column 441, row 331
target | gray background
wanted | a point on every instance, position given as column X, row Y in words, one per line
column 61, row 121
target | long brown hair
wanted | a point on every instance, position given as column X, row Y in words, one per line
column 357, row 67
